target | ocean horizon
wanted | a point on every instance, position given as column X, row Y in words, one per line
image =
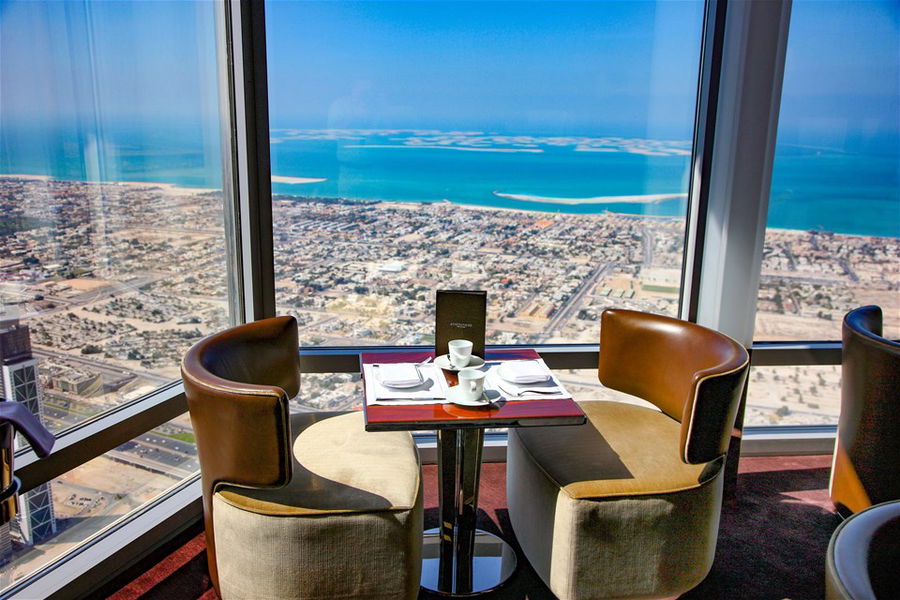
column 812, row 189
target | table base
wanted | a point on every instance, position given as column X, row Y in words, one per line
column 493, row 562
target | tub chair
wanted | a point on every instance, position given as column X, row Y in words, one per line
column 301, row 506
column 627, row 505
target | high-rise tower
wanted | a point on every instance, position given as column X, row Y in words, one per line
column 18, row 374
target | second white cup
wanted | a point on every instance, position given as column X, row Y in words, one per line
column 460, row 352
column 472, row 383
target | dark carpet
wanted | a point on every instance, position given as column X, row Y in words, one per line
column 772, row 539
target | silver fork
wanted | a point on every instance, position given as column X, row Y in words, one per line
column 532, row 391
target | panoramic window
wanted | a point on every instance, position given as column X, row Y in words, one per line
column 536, row 150
column 112, row 254
column 832, row 242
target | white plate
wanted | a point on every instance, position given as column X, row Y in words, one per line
column 456, row 396
column 443, row 361
column 421, row 381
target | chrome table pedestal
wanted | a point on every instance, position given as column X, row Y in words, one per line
column 457, row 558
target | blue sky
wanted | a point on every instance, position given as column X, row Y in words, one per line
column 842, row 75
column 611, row 67
column 123, row 60
column 624, row 68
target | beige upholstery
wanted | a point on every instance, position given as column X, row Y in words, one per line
column 627, row 505
column 626, row 449
column 338, row 467
column 583, row 499
column 348, row 525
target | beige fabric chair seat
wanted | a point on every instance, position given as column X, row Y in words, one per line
column 347, row 525
column 610, row 487
column 625, row 450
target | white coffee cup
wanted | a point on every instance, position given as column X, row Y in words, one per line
column 460, row 353
column 472, row 383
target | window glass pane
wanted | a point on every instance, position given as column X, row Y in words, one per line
column 834, row 215
column 329, row 391
column 536, row 150
column 59, row 515
column 795, row 395
column 112, row 256
column 585, row 386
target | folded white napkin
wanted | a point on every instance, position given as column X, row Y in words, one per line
column 524, row 371
column 431, row 389
column 399, row 374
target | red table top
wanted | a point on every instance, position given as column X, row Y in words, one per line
column 512, row 413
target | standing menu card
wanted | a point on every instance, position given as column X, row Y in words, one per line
column 460, row 315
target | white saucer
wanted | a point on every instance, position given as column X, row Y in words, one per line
column 455, row 396
column 443, row 361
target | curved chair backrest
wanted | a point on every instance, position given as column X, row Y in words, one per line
column 868, row 449
column 693, row 374
column 237, row 384
column 863, row 554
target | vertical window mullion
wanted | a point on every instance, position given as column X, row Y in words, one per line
column 741, row 165
column 245, row 83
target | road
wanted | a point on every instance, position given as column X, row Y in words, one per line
column 574, row 302
column 98, row 365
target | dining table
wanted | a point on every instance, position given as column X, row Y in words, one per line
column 458, row 558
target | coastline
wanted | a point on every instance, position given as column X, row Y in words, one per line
column 173, row 189
column 630, row 199
column 647, row 199
column 400, row 205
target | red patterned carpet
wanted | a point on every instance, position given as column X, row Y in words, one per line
column 771, row 546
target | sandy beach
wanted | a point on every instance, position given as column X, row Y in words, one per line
column 297, row 180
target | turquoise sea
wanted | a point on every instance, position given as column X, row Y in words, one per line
column 820, row 188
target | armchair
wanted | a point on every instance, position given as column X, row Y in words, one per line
column 627, row 505
column 306, row 505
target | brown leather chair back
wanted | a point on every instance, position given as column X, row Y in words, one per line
column 693, row 374
column 237, row 384
column 868, row 447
